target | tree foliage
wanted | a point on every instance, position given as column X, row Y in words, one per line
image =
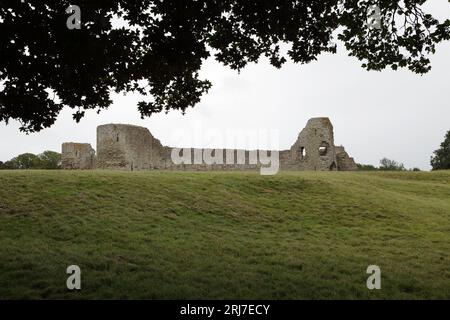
column 7, row 165
column 50, row 160
column 45, row 160
column 391, row 165
column 26, row 161
column 161, row 46
column 441, row 158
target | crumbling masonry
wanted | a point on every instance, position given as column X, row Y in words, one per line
column 77, row 156
column 128, row 147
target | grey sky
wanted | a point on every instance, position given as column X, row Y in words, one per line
column 394, row 114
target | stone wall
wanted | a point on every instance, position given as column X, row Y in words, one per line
column 314, row 148
column 133, row 148
column 128, row 147
column 344, row 161
column 221, row 159
column 77, row 156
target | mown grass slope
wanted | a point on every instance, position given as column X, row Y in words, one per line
column 165, row 235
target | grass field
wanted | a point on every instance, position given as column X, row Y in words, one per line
column 166, row 235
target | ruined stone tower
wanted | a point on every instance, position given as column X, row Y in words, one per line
column 77, row 156
column 133, row 148
column 314, row 148
column 127, row 147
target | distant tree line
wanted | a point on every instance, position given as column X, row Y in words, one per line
column 439, row 161
column 46, row 160
column 385, row 165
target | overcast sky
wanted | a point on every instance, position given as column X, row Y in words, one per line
column 394, row 114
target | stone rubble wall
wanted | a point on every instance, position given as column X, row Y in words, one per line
column 128, row 147
column 77, row 156
column 305, row 153
column 235, row 160
column 133, row 148
column 344, row 161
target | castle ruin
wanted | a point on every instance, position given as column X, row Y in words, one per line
column 133, row 148
column 77, row 156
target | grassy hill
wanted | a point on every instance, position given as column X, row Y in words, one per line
column 159, row 235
